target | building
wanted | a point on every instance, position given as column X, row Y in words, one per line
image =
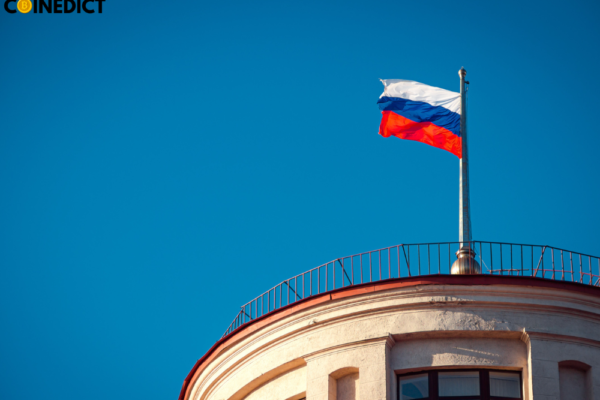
column 394, row 324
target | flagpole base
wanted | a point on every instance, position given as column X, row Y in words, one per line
column 465, row 263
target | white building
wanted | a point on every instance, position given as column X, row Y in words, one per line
column 529, row 335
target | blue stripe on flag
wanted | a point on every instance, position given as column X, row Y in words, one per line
column 419, row 111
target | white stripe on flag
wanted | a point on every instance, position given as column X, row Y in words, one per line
column 416, row 91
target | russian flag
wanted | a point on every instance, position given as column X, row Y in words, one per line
column 414, row 111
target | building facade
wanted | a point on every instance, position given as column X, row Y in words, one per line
column 441, row 336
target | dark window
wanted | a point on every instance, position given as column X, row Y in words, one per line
column 414, row 387
column 465, row 384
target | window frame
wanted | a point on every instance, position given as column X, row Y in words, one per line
column 484, row 384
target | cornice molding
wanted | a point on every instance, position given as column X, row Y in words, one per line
column 563, row 339
column 382, row 341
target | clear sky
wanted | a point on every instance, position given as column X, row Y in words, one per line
column 162, row 163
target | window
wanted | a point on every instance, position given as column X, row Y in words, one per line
column 505, row 385
column 414, row 387
column 460, row 385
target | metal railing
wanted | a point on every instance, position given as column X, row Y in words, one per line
column 407, row 260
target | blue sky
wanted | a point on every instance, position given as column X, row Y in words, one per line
column 163, row 163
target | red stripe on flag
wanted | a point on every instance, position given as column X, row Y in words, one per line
column 393, row 124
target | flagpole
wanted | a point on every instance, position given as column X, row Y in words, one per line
column 465, row 235
column 465, row 262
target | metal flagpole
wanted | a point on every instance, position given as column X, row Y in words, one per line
column 465, row 263
column 464, row 233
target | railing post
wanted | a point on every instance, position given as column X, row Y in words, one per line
column 439, row 260
column 501, row 260
column 553, row 267
column 511, row 260
column 380, row 276
column 419, row 257
column 522, row 267
column 571, row 259
column 361, row 268
column 389, row 264
column 481, row 257
column 428, row 260
column 408, row 262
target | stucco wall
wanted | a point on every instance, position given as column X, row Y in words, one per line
column 367, row 357
column 548, row 350
column 348, row 387
column 573, row 384
column 285, row 386
column 384, row 332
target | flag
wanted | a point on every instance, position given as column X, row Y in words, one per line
column 426, row 114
